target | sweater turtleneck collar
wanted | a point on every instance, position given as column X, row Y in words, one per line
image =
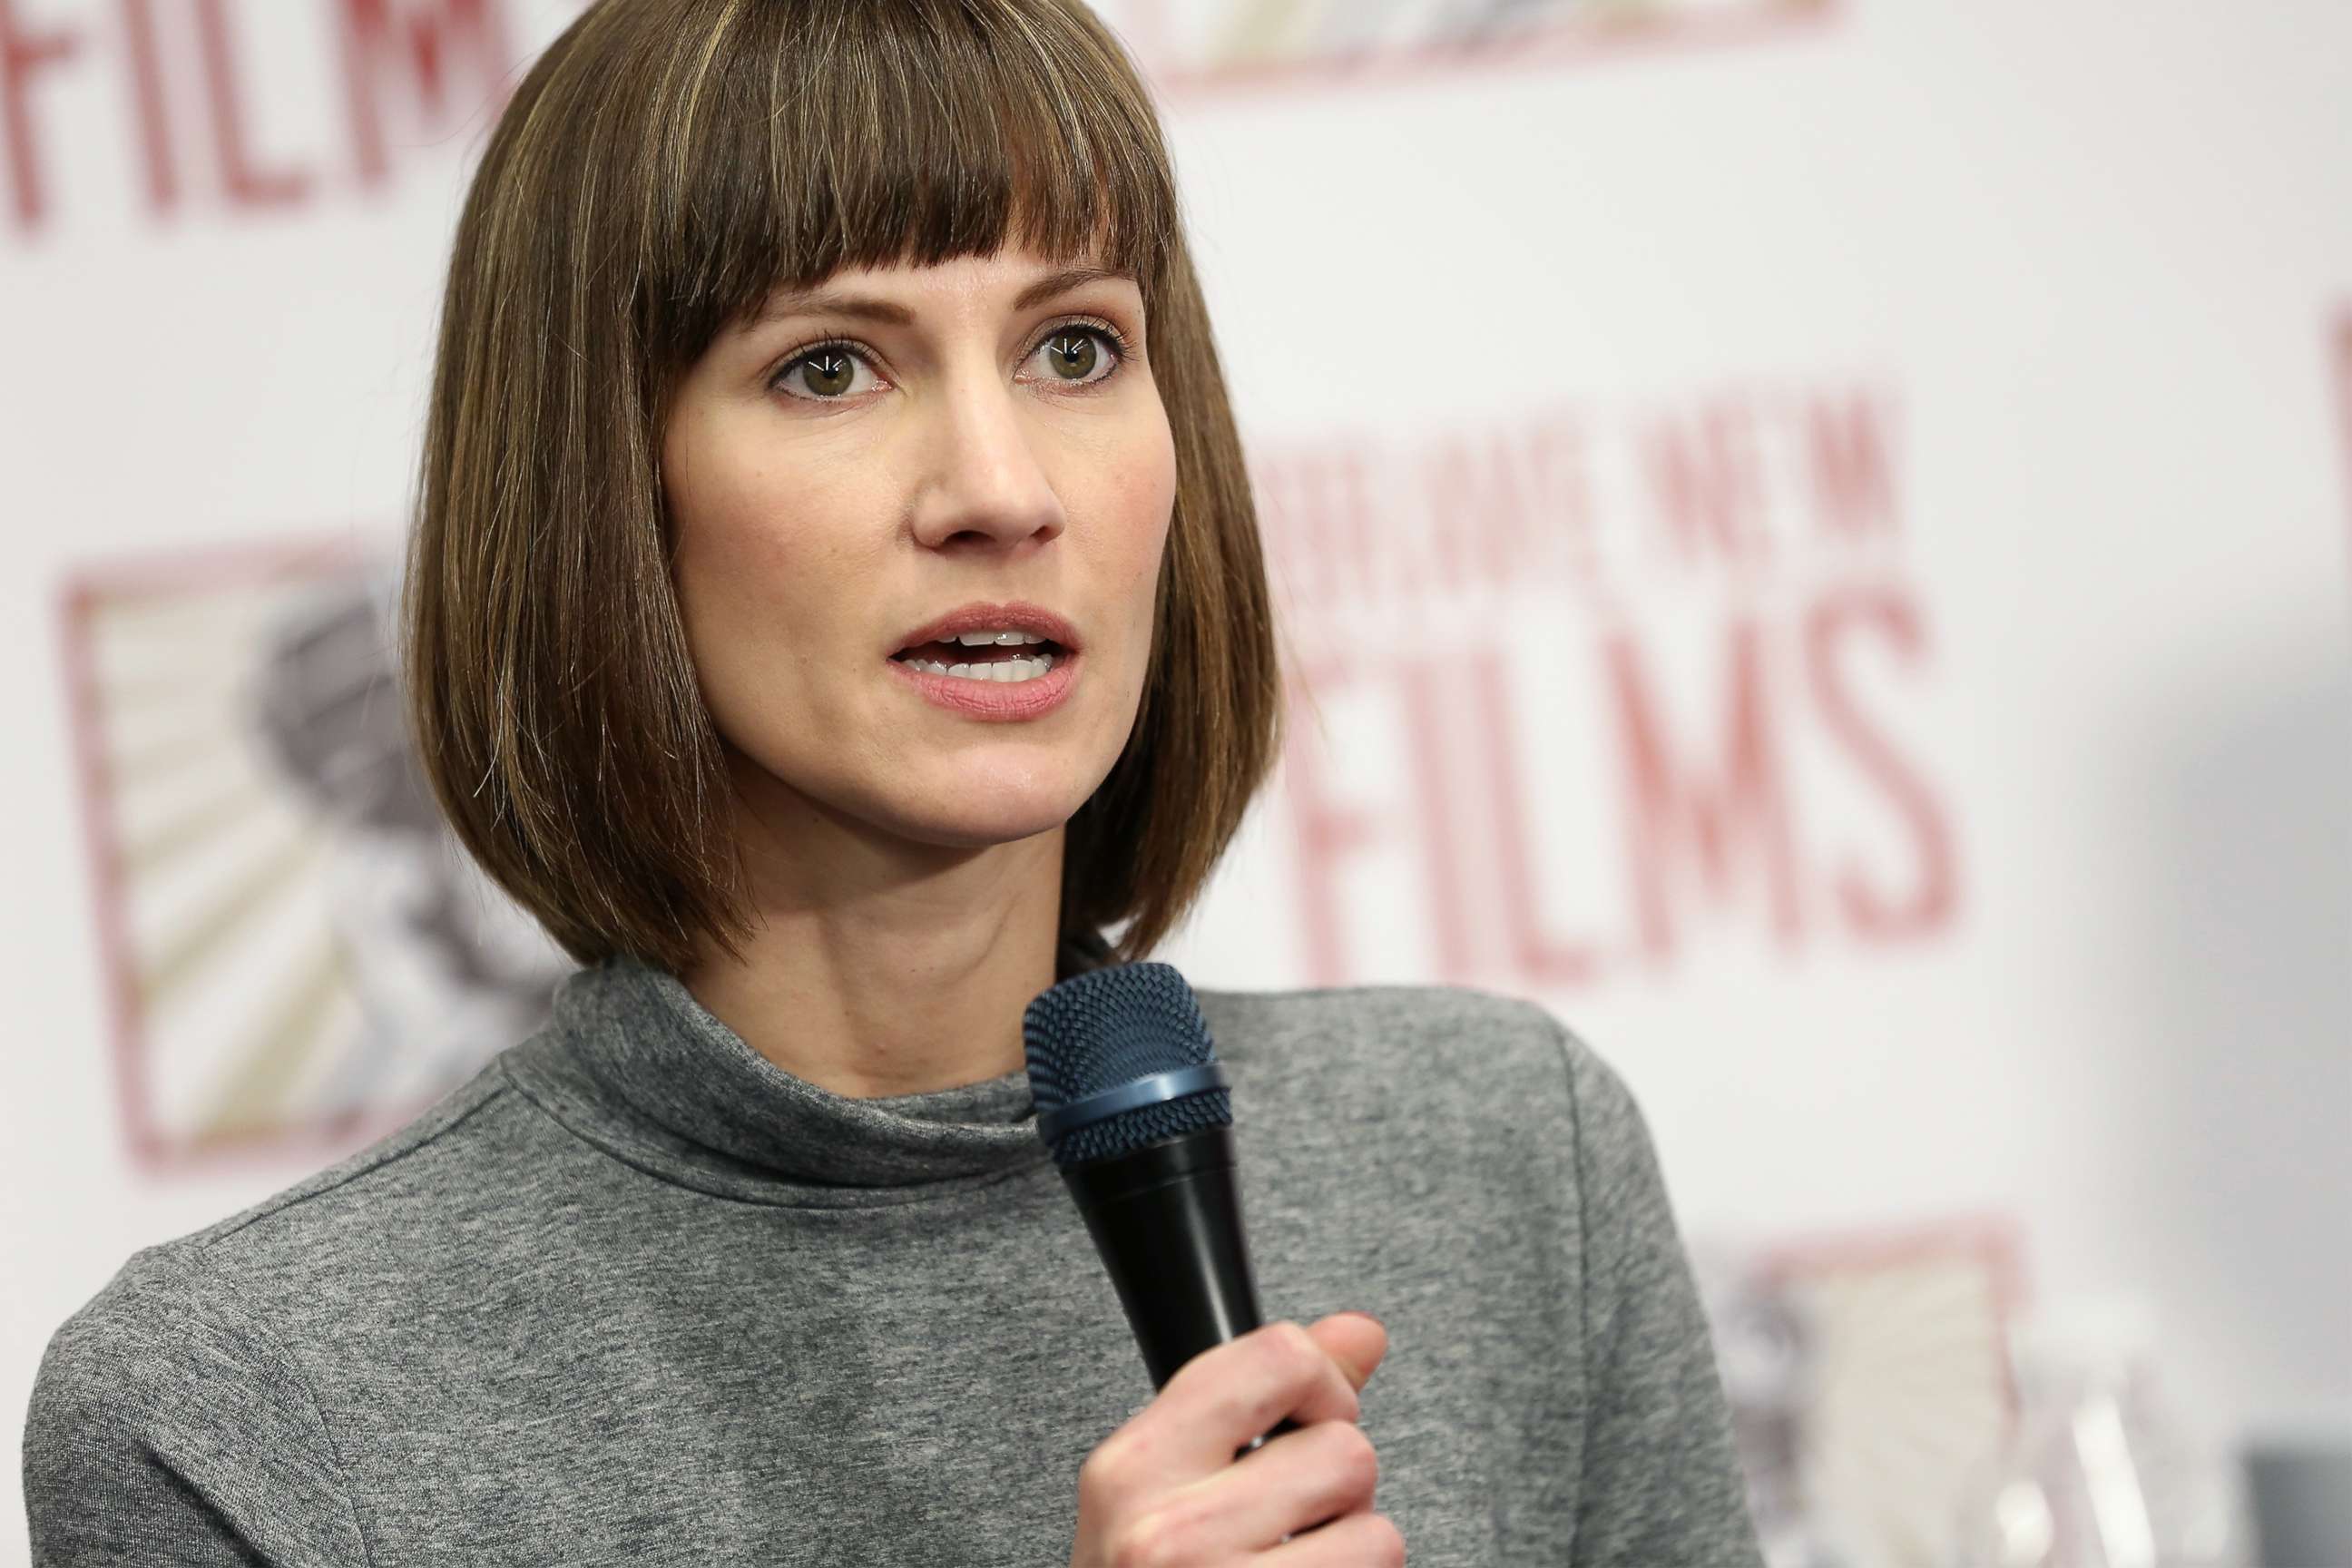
column 631, row 1062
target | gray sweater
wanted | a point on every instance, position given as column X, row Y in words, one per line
column 634, row 1295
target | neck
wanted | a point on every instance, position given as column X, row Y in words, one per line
column 899, row 970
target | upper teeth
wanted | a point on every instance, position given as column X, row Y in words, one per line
column 973, row 640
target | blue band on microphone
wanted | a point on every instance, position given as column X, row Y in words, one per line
column 1153, row 1090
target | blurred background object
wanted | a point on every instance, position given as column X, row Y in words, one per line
column 2302, row 1492
column 295, row 950
column 1868, row 1378
column 1814, row 538
column 2097, row 1468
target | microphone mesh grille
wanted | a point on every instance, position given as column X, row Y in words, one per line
column 1112, row 1025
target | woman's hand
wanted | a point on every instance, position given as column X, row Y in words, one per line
column 1165, row 1490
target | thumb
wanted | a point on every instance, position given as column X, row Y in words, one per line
column 1356, row 1340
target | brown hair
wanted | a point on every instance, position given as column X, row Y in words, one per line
column 663, row 167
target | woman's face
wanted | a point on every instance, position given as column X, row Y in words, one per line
column 958, row 450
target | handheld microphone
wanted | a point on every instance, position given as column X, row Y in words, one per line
column 1137, row 1111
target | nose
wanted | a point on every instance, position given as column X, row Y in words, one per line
column 986, row 485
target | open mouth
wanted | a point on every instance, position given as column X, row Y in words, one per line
column 1004, row 658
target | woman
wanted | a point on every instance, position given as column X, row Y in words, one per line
column 835, row 599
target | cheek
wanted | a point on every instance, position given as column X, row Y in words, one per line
column 762, row 583
column 748, row 572
column 739, row 517
column 1145, row 504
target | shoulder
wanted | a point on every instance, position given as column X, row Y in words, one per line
column 206, row 1294
column 140, row 1345
column 166, row 1407
column 1458, row 1056
column 1445, row 1022
column 401, row 1179
column 1456, row 1059
column 1428, row 1030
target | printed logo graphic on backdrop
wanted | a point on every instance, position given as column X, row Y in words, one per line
column 1190, row 44
column 1868, row 1376
column 206, row 105
column 296, row 953
column 231, row 106
column 1606, row 686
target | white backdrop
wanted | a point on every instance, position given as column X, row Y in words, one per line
column 1819, row 533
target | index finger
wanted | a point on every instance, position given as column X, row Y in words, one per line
column 1224, row 1398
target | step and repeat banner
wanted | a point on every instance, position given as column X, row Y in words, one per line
column 1814, row 537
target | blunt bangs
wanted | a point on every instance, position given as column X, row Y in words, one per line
column 803, row 139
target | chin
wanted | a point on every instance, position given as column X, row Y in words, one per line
column 979, row 829
column 979, row 811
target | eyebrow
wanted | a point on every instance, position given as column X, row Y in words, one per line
column 821, row 302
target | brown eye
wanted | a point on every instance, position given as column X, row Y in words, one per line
column 1082, row 356
column 830, row 373
column 1072, row 354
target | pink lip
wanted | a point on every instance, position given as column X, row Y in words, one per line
column 994, row 700
column 1034, row 619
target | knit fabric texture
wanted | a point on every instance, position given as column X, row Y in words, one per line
column 635, row 1295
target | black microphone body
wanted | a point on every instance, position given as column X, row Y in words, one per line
column 1167, row 1220
column 1164, row 1211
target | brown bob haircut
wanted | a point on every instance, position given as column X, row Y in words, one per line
column 661, row 169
